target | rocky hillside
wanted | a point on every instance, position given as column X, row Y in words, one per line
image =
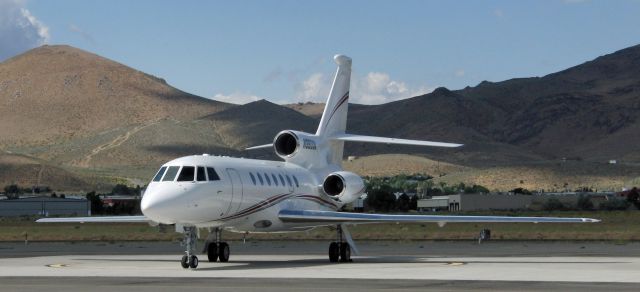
column 60, row 92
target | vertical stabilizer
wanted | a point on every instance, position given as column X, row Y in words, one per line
column 334, row 117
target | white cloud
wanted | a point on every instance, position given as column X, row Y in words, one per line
column 19, row 29
column 237, row 98
column 373, row 88
column 498, row 13
column 460, row 73
column 314, row 88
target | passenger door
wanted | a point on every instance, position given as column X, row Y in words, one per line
column 237, row 192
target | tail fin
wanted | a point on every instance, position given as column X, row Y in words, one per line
column 334, row 117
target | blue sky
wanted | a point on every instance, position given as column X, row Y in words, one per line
column 240, row 51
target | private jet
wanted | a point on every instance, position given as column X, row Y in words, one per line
column 305, row 191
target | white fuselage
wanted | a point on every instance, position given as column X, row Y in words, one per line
column 243, row 195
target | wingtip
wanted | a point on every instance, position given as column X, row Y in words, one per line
column 591, row 220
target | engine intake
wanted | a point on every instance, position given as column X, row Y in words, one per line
column 333, row 185
column 286, row 144
column 344, row 186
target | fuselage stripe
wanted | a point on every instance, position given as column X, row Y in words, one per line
column 257, row 207
column 274, row 201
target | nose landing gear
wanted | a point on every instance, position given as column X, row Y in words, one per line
column 339, row 250
column 189, row 240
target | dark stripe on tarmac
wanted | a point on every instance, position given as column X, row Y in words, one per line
column 253, row 284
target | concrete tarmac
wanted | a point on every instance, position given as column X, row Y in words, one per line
column 294, row 266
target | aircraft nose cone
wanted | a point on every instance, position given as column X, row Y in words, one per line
column 153, row 206
column 146, row 203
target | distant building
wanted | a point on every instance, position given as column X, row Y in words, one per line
column 45, row 206
column 473, row 202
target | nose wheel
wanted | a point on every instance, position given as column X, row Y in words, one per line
column 189, row 261
column 190, row 237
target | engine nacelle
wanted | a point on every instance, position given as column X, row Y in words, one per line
column 344, row 186
column 290, row 144
column 286, row 144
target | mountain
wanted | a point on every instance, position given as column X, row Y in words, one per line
column 93, row 117
column 76, row 120
column 589, row 112
column 60, row 92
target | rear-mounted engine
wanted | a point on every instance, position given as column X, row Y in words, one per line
column 343, row 186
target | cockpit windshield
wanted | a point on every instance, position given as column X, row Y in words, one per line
column 160, row 174
column 171, row 173
column 186, row 173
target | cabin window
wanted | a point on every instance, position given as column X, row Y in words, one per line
column 171, row 173
column 296, row 181
column 260, row 179
column 187, row 173
column 212, row 174
column 275, row 180
column 266, row 177
column 201, row 176
column 281, row 179
column 253, row 178
column 160, row 173
column 289, row 181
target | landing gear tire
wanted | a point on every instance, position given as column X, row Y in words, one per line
column 212, row 252
column 193, row 262
column 334, row 252
column 184, row 262
column 345, row 252
column 223, row 252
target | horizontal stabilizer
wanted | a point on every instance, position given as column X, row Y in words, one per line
column 385, row 140
column 96, row 219
column 330, row 217
column 260, row 147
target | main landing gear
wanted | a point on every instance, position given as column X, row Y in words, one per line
column 190, row 237
column 339, row 250
column 215, row 249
